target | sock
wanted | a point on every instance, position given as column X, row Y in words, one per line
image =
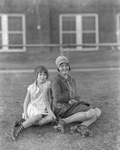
column 20, row 128
column 89, row 122
column 97, row 115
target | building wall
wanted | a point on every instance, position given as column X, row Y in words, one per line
column 106, row 10
column 46, row 13
column 48, row 18
column 36, row 12
column 33, row 19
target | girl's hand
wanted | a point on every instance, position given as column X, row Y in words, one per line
column 72, row 101
column 53, row 116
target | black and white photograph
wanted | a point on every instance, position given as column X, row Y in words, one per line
column 59, row 74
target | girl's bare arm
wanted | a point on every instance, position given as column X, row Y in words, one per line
column 25, row 105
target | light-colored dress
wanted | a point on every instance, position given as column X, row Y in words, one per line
column 37, row 98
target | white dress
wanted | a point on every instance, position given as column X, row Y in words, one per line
column 37, row 96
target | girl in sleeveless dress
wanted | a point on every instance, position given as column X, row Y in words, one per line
column 36, row 106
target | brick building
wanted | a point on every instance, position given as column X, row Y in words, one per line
column 57, row 22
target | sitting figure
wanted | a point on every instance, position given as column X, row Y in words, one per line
column 66, row 102
column 37, row 109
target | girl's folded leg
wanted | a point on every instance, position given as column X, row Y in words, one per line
column 32, row 120
column 97, row 113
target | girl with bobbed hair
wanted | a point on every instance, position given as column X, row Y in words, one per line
column 39, row 69
column 37, row 109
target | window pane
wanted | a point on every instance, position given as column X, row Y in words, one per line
column 15, row 39
column 14, row 23
column 89, row 38
column 68, row 24
column 88, row 23
column 69, row 39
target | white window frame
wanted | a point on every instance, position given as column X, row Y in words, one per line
column 118, row 30
column 79, row 30
column 5, row 33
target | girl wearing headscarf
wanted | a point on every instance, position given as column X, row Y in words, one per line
column 66, row 102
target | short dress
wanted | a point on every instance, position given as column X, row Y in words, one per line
column 37, row 96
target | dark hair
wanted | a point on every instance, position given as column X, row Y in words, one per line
column 59, row 70
column 68, row 65
column 39, row 69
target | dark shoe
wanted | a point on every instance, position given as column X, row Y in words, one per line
column 61, row 125
column 56, row 128
column 87, row 133
column 84, row 131
column 73, row 129
column 15, row 131
column 18, row 123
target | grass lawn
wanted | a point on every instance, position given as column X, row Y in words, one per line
column 100, row 88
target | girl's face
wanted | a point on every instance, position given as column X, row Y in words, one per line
column 41, row 77
column 64, row 68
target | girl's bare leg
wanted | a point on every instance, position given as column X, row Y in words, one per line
column 29, row 122
column 45, row 120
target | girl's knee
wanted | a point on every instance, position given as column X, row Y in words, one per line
column 36, row 118
column 46, row 120
column 90, row 113
column 33, row 120
column 50, row 118
column 98, row 112
column 93, row 113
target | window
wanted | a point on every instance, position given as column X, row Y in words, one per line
column 12, row 32
column 68, row 30
column 78, row 29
